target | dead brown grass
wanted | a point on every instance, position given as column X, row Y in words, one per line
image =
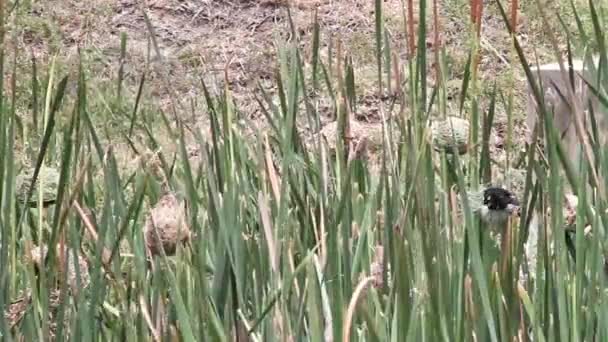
column 233, row 43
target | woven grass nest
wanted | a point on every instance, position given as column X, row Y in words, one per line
column 48, row 177
column 166, row 225
column 450, row 134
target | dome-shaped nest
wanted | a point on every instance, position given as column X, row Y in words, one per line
column 166, row 226
column 48, row 177
column 450, row 134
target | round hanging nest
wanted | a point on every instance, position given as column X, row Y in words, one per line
column 166, row 226
column 450, row 134
column 48, row 177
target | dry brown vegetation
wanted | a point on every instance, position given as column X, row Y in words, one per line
column 233, row 43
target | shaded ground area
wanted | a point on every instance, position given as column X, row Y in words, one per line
column 236, row 40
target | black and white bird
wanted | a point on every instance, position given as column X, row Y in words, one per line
column 498, row 204
column 493, row 204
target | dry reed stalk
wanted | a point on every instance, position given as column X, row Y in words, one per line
column 352, row 305
column 476, row 15
column 514, row 6
column 436, row 43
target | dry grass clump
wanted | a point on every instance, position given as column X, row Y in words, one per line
column 16, row 310
column 571, row 204
column 359, row 131
column 39, row 254
column 49, row 177
column 366, row 141
column 377, row 267
column 451, row 134
column 514, row 180
column 569, row 213
column 166, row 226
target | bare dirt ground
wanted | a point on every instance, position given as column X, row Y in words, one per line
column 236, row 41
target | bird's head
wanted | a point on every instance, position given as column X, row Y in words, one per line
column 500, row 199
column 498, row 205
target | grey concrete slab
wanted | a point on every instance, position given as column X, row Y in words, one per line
column 553, row 84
